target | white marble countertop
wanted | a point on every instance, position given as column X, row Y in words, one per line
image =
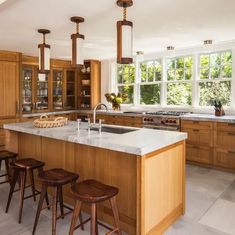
column 49, row 113
column 139, row 142
column 208, row 117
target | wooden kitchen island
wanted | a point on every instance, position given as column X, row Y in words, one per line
column 148, row 166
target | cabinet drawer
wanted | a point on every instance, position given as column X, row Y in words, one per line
column 230, row 127
column 199, row 154
column 199, row 136
column 132, row 120
column 224, row 158
column 132, row 124
column 185, row 124
column 224, row 139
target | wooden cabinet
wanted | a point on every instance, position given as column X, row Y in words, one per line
column 9, row 84
column 199, row 145
column 89, row 79
column 224, row 153
column 34, row 90
column 64, row 85
column 118, row 120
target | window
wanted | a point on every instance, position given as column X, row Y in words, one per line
column 150, row 82
column 179, row 81
column 126, row 81
column 215, row 78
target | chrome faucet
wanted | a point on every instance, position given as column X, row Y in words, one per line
column 94, row 111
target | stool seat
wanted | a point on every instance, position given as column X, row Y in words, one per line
column 28, row 164
column 4, row 154
column 57, row 176
column 92, row 191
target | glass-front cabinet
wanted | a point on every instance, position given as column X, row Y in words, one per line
column 27, row 90
column 58, row 90
column 70, row 97
column 42, row 96
column 35, row 90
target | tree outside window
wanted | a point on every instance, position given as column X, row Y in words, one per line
column 150, row 85
column 126, row 80
column 215, row 78
column 179, row 81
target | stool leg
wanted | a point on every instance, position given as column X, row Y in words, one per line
column 40, row 204
column 0, row 164
column 94, row 225
column 54, row 212
column 32, row 184
column 47, row 201
column 76, row 213
column 22, row 190
column 113, row 203
column 7, row 170
column 12, row 188
column 60, row 193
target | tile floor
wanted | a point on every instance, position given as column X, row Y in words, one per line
column 210, row 209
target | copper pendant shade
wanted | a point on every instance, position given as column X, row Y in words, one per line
column 44, row 53
column 124, row 35
column 77, row 41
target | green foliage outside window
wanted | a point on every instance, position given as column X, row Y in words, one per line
column 126, row 79
column 150, row 94
column 179, row 70
column 214, row 68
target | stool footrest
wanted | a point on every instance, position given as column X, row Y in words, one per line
column 37, row 193
column 3, row 175
column 6, row 181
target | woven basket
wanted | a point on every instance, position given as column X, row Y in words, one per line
column 45, row 122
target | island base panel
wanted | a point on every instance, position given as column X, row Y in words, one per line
column 152, row 187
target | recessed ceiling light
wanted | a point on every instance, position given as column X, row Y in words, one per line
column 2, row 1
column 170, row 48
column 207, row 42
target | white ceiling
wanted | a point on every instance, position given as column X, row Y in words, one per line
column 157, row 24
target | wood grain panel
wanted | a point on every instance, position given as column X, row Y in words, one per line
column 9, row 86
column 166, row 194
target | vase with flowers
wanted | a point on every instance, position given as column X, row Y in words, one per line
column 116, row 99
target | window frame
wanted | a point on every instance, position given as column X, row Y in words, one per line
column 139, row 82
column 198, row 79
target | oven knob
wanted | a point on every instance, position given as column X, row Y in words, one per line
column 170, row 121
column 162, row 122
column 166, row 121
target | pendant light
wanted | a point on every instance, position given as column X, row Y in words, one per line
column 124, row 35
column 44, row 53
column 77, row 41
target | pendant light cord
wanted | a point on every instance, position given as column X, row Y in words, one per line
column 124, row 13
column 77, row 27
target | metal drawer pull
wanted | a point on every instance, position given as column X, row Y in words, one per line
column 231, row 124
column 196, row 130
column 231, row 133
column 231, row 152
column 196, row 147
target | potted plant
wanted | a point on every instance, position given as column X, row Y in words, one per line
column 116, row 99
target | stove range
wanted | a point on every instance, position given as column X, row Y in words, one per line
column 163, row 120
column 167, row 113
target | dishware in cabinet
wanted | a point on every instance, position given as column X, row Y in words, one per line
column 58, row 81
column 27, row 89
column 71, row 89
column 42, row 93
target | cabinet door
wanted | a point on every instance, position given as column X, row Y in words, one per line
column 57, row 89
column 42, row 94
column 225, row 139
column 199, row 136
column 224, row 158
column 198, row 154
column 27, row 89
column 9, row 86
column 70, row 98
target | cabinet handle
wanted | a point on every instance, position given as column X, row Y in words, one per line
column 233, row 134
column 196, row 130
column 196, row 147
column 196, row 122
column 231, row 124
column 231, row 152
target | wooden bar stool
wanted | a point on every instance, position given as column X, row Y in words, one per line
column 93, row 192
column 20, row 169
column 55, row 178
column 7, row 157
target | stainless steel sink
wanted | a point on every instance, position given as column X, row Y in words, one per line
column 115, row 130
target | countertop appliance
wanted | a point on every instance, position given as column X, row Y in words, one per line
column 163, row 120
